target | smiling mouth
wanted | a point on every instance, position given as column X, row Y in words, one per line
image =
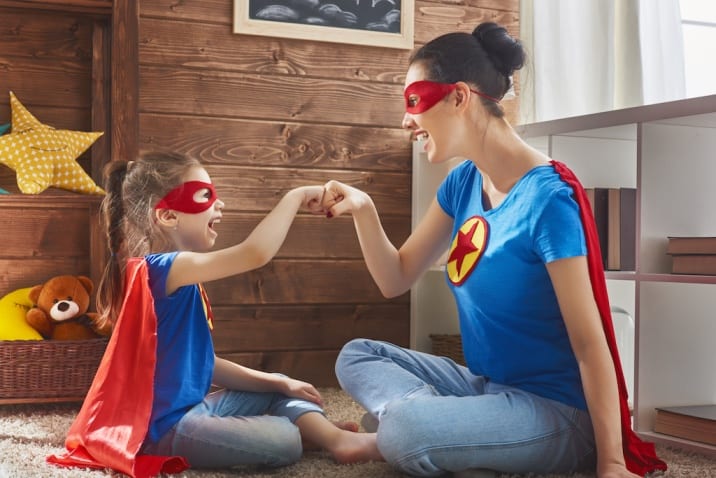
column 421, row 136
column 212, row 223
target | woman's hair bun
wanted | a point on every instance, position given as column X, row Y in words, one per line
column 505, row 52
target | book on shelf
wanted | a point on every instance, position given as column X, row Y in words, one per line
column 696, row 423
column 691, row 245
column 614, row 211
column 698, row 264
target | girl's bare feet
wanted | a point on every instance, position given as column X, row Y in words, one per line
column 308, row 445
column 351, row 447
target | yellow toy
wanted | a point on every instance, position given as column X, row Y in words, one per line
column 43, row 156
column 13, row 308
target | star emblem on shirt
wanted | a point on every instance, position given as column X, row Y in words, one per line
column 466, row 249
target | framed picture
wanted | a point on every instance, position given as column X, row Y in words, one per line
column 383, row 23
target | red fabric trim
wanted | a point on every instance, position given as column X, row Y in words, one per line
column 111, row 426
column 640, row 456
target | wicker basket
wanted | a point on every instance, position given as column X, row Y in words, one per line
column 448, row 345
column 48, row 370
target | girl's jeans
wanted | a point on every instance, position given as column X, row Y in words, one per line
column 230, row 428
column 437, row 417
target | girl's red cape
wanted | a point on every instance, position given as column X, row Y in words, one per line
column 113, row 421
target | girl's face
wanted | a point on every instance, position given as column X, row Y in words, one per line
column 195, row 227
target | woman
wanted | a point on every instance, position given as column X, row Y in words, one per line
column 539, row 393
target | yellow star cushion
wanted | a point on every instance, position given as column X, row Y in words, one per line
column 43, row 156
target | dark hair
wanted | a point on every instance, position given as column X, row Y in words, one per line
column 486, row 58
column 133, row 188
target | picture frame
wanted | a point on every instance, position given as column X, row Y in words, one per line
column 384, row 23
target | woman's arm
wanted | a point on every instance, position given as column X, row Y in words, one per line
column 570, row 278
column 393, row 270
column 255, row 251
column 233, row 376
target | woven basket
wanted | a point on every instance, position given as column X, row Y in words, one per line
column 48, row 370
column 448, row 345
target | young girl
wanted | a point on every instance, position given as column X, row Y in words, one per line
column 150, row 398
column 543, row 391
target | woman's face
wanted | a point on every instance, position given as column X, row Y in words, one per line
column 434, row 125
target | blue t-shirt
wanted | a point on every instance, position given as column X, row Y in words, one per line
column 185, row 351
column 512, row 329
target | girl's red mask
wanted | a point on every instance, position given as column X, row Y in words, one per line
column 422, row 95
column 182, row 199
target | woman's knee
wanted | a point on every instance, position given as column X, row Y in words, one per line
column 404, row 438
column 351, row 353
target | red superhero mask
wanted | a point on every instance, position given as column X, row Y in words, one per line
column 422, row 95
column 182, row 199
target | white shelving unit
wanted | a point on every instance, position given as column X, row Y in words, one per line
column 667, row 152
column 432, row 307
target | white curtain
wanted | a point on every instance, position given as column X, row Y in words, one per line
column 587, row 56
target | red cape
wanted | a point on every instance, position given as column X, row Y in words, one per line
column 113, row 421
column 640, row 456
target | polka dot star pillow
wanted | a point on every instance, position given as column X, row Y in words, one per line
column 43, row 156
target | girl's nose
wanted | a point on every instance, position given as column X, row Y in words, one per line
column 408, row 122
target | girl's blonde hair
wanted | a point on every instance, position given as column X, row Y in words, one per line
column 133, row 189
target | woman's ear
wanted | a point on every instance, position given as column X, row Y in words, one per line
column 166, row 218
column 462, row 93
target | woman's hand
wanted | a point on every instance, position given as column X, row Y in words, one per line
column 298, row 389
column 340, row 198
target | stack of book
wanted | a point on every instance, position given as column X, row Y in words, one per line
column 614, row 212
column 697, row 423
column 692, row 254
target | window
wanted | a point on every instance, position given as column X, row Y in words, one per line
column 698, row 19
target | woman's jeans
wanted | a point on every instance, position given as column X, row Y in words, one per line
column 230, row 428
column 437, row 417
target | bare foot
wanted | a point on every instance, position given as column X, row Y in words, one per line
column 351, row 447
column 308, row 445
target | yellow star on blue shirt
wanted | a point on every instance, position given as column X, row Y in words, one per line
column 43, row 156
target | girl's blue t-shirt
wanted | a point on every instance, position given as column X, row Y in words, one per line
column 511, row 325
column 185, row 351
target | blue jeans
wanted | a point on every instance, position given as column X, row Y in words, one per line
column 437, row 417
column 230, row 428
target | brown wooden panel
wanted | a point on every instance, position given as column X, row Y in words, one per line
column 27, row 272
column 42, row 36
column 434, row 19
column 44, row 233
column 124, row 68
column 95, row 7
column 254, row 329
column 259, row 189
column 271, row 98
column 48, row 82
column 284, row 281
column 313, row 366
column 221, row 141
column 78, row 119
column 311, row 236
column 214, row 47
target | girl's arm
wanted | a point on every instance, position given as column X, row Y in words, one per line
column 255, row 251
column 570, row 278
column 233, row 376
column 393, row 270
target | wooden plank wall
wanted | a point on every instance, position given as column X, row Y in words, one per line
column 46, row 60
column 266, row 115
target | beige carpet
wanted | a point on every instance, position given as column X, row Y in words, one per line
column 28, row 433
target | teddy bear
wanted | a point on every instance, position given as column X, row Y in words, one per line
column 60, row 309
